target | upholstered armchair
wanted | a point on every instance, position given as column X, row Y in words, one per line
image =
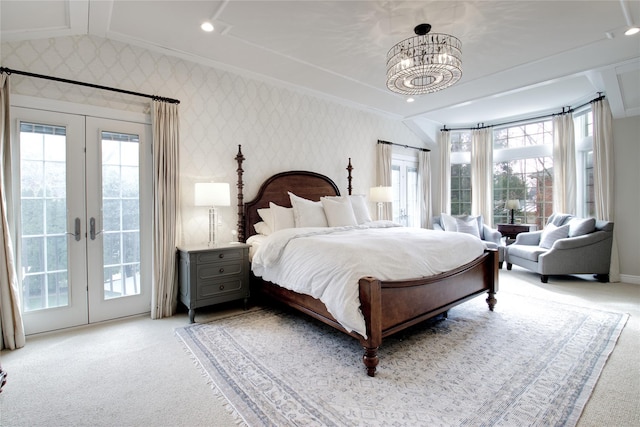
column 566, row 245
column 473, row 225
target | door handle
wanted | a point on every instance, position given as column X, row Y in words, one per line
column 76, row 231
column 92, row 229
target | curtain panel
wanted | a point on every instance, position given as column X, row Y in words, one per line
column 603, row 175
column 482, row 173
column 444, row 143
column 424, row 180
column 10, row 313
column 564, row 164
column 166, row 138
column 383, row 170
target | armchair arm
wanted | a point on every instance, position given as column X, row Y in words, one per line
column 580, row 241
column 531, row 238
column 491, row 235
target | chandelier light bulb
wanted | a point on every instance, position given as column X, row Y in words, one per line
column 425, row 63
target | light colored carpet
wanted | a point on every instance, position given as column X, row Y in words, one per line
column 134, row 372
column 529, row 363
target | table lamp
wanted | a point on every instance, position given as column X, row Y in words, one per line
column 381, row 195
column 512, row 205
column 212, row 194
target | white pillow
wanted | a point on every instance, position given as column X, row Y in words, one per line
column 360, row 208
column 448, row 222
column 464, row 224
column 468, row 225
column 262, row 228
column 307, row 213
column 338, row 211
column 282, row 217
column 551, row 233
column 267, row 217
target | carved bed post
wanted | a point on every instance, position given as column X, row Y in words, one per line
column 349, row 169
column 240, row 159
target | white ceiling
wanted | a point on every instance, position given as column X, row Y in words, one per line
column 520, row 58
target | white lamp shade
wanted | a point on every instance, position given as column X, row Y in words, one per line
column 381, row 194
column 212, row 194
column 512, row 204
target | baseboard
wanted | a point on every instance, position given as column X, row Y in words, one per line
column 627, row 278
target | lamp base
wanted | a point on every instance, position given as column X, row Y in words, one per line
column 213, row 224
column 511, row 220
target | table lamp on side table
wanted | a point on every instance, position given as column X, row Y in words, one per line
column 512, row 205
column 381, row 195
column 212, row 194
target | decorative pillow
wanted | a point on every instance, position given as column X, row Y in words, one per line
column 551, row 233
column 307, row 213
column 338, row 211
column 262, row 228
column 267, row 217
column 360, row 208
column 448, row 222
column 282, row 217
column 468, row 225
column 462, row 224
column 581, row 226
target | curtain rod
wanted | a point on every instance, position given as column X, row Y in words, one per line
column 9, row 71
column 401, row 145
column 565, row 110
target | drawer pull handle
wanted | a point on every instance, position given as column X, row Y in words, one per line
column 221, row 270
column 222, row 287
column 221, row 256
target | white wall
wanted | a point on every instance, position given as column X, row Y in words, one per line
column 626, row 153
column 279, row 128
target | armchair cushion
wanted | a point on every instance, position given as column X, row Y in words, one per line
column 581, row 226
column 464, row 224
column 551, row 233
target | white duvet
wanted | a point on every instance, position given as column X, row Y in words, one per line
column 327, row 263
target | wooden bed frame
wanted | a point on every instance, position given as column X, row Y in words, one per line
column 388, row 306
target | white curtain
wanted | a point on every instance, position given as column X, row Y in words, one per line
column 10, row 315
column 383, row 170
column 424, row 181
column 444, row 142
column 603, row 175
column 166, row 138
column 482, row 174
column 564, row 164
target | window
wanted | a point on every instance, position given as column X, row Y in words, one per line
column 404, row 180
column 523, row 170
column 460, row 173
column 585, row 200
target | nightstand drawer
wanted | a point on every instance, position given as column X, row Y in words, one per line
column 214, row 271
column 220, row 256
column 219, row 288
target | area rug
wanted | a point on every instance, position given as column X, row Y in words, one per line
column 528, row 363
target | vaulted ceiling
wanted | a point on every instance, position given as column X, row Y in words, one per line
column 520, row 58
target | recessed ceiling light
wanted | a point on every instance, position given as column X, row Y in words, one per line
column 410, row 99
column 207, row 26
column 631, row 31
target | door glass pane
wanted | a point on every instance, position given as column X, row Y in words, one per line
column 120, row 214
column 44, row 241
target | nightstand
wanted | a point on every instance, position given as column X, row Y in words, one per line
column 212, row 275
column 510, row 231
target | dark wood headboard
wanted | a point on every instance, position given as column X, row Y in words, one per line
column 309, row 185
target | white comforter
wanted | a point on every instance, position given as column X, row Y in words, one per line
column 327, row 263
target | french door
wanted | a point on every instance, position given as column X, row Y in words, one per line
column 84, row 218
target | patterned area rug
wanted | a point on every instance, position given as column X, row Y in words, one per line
column 530, row 362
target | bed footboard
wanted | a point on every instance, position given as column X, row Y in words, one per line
column 389, row 307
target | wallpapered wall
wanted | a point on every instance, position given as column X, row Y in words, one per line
column 279, row 128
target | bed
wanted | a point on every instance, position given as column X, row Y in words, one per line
column 387, row 306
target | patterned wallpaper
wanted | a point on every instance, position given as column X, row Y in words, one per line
column 279, row 127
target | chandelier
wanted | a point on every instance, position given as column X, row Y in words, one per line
column 425, row 63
